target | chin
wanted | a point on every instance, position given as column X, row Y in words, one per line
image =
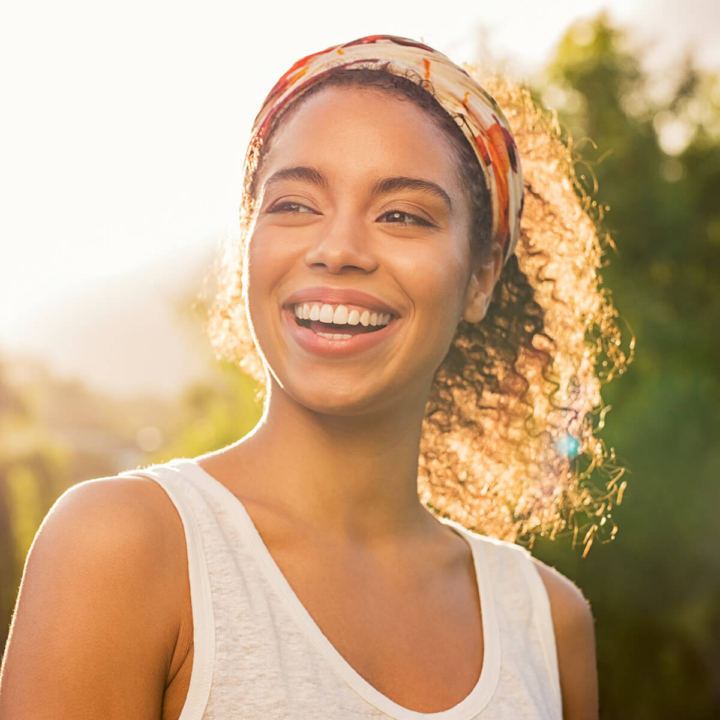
column 342, row 398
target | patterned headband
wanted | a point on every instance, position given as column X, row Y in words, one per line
column 474, row 110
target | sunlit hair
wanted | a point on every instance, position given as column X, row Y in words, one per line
column 509, row 437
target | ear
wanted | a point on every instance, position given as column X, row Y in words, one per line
column 482, row 282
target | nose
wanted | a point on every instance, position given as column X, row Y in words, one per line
column 342, row 243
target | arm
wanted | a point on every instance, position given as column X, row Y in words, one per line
column 98, row 614
column 575, row 641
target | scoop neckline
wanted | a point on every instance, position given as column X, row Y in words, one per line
column 466, row 709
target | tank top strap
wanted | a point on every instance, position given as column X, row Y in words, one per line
column 526, row 607
column 190, row 504
column 543, row 616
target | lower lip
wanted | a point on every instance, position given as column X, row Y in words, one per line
column 314, row 343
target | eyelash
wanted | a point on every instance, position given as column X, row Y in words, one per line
column 284, row 207
column 417, row 220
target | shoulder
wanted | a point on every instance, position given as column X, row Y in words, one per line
column 569, row 607
column 123, row 518
column 108, row 537
column 102, row 593
column 572, row 623
column 574, row 629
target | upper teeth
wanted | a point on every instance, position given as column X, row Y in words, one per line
column 340, row 315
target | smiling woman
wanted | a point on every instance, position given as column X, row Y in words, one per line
column 424, row 352
column 524, row 377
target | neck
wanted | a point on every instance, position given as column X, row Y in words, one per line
column 354, row 476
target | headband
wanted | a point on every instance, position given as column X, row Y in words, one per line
column 472, row 107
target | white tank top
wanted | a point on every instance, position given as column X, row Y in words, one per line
column 259, row 655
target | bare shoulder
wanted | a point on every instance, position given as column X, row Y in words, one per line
column 98, row 613
column 570, row 608
column 575, row 641
column 120, row 509
column 108, row 524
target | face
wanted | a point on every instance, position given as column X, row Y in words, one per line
column 359, row 207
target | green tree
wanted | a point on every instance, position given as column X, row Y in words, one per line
column 650, row 147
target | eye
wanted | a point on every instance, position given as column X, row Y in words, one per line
column 290, row 207
column 399, row 217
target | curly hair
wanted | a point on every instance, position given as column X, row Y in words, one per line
column 509, row 440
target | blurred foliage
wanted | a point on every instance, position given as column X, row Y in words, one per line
column 213, row 415
column 648, row 148
column 53, row 434
column 653, row 167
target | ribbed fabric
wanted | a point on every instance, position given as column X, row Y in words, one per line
column 258, row 654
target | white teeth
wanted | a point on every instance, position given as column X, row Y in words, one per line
column 326, row 314
column 335, row 336
column 341, row 315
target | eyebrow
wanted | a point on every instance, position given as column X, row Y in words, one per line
column 392, row 184
column 300, row 172
column 381, row 187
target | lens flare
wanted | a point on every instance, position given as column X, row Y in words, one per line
column 568, row 445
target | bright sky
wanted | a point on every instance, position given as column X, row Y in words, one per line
column 124, row 124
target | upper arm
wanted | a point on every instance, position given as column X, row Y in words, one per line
column 97, row 614
column 575, row 642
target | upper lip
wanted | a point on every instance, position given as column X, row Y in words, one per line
column 340, row 296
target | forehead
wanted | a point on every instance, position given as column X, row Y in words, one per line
column 357, row 132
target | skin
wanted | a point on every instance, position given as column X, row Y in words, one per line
column 103, row 625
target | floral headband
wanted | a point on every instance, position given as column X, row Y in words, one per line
column 475, row 111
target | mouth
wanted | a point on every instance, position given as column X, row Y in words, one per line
column 338, row 331
column 338, row 339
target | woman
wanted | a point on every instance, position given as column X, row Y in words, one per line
column 297, row 573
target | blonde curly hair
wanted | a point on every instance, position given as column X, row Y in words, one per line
column 509, row 438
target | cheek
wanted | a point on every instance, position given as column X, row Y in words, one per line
column 264, row 268
column 435, row 282
column 267, row 260
column 447, row 304
column 437, row 278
